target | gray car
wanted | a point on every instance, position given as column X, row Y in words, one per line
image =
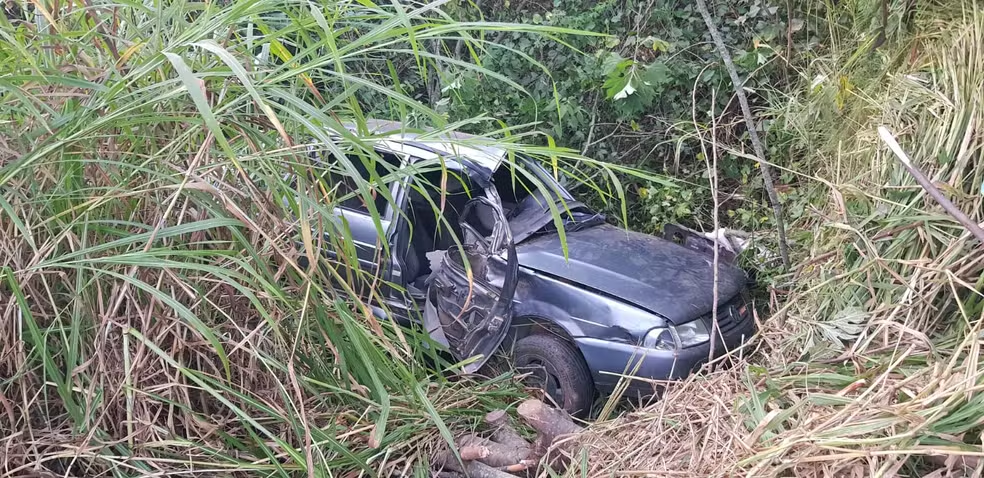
column 491, row 265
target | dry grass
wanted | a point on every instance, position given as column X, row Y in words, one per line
column 693, row 430
column 154, row 318
column 136, row 389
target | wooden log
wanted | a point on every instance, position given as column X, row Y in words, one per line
column 473, row 452
column 492, row 453
column 446, row 462
column 503, row 432
column 551, row 423
column 548, row 421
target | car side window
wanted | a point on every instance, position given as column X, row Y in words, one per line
column 346, row 187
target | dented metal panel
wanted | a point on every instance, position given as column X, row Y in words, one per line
column 471, row 293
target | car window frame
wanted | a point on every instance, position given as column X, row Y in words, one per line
column 389, row 209
column 386, row 219
column 399, row 229
column 543, row 175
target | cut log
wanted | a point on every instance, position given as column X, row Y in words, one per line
column 551, row 423
column 492, row 453
column 521, row 466
column 473, row 469
column 473, row 452
column 497, row 418
column 503, row 432
column 547, row 420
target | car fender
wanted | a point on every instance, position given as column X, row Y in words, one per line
column 578, row 312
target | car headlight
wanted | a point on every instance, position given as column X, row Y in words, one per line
column 659, row 339
column 667, row 338
column 692, row 333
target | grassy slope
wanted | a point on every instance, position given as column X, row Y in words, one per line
column 871, row 365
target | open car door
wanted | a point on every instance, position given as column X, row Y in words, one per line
column 469, row 300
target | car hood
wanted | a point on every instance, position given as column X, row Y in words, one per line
column 649, row 272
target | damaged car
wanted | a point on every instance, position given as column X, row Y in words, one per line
column 481, row 263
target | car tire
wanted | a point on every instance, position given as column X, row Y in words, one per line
column 557, row 367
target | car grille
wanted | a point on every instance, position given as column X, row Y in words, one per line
column 730, row 315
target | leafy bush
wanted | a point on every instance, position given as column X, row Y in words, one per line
column 630, row 97
column 869, row 364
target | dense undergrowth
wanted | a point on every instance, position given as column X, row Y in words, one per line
column 631, row 98
column 870, row 362
column 155, row 318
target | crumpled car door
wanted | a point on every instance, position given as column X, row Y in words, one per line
column 470, row 296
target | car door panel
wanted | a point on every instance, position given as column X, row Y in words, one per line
column 365, row 238
column 464, row 309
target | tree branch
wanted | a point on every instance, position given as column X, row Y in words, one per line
column 770, row 187
column 926, row 184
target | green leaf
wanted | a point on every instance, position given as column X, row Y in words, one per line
column 661, row 45
column 619, row 83
column 196, row 89
column 657, row 74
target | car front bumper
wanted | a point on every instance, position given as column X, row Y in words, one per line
column 610, row 361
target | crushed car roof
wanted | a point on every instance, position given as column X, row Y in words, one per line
column 468, row 149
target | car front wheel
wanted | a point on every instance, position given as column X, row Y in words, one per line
column 556, row 366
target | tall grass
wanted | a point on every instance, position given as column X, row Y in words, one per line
column 155, row 316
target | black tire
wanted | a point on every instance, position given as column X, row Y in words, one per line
column 556, row 361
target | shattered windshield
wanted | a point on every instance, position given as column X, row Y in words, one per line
column 526, row 193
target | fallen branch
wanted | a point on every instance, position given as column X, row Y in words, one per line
column 926, row 184
column 503, row 432
column 473, row 469
column 521, row 466
column 490, row 452
column 746, row 112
